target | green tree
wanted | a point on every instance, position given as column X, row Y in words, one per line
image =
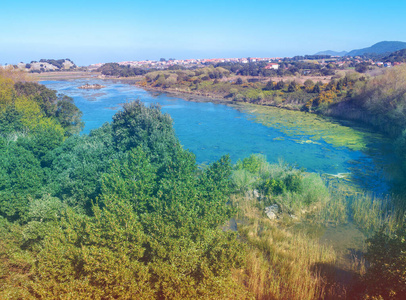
column 21, row 177
column 293, row 87
column 269, row 85
column 131, row 180
column 280, row 85
column 69, row 115
column 308, row 83
column 138, row 125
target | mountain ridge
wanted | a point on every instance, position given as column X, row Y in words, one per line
column 384, row 47
column 332, row 53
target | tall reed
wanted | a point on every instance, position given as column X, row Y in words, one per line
column 281, row 264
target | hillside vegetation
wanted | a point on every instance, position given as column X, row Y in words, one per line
column 379, row 48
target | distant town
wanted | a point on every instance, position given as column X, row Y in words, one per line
column 273, row 62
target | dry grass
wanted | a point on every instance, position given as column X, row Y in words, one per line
column 15, row 74
column 282, row 264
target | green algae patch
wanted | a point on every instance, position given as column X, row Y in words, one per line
column 313, row 127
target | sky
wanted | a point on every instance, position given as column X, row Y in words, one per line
column 89, row 31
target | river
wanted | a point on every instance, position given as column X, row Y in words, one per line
column 211, row 130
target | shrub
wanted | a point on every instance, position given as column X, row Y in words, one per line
column 387, row 255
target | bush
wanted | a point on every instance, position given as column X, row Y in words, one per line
column 386, row 276
column 243, row 180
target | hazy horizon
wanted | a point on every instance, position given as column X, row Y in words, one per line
column 99, row 31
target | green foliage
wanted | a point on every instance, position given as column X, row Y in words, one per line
column 386, row 276
column 293, row 87
column 138, row 125
column 21, row 177
column 120, row 213
column 255, row 163
column 154, row 234
column 68, row 115
column 293, row 189
column 269, row 86
column 397, row 56
column 243, row 180
column 114, row 69
column 58, row 107
column 45, row 97
column 131, row 180
column 94, row 257
column 76, row 167
column 272, row 186
column 10, row 121
column 45, row 138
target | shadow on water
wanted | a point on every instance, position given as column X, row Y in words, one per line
column 340, row 283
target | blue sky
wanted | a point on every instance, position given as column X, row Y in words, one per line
column 90, row 31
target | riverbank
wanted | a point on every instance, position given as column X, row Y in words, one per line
column 190, row 95
column 206, row 97
column 187, row 95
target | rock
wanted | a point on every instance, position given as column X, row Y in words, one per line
column 91, row 86
column 272, row 211
column 255, row 193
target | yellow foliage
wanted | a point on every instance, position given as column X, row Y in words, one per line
column 30, row 111
column 48, row 125
column 7, row 92
column 325, row 97
column 32, row 117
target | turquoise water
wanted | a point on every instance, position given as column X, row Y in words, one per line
column 211, row 130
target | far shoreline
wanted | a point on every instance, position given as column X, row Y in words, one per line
column 188, row 96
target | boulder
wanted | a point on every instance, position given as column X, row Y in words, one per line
column 272, row 211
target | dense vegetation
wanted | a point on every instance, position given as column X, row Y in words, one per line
column 125, row 213
column 221, row 82
column 121, row 213
column 287, row 68
column 115, row 69
column 397, row 56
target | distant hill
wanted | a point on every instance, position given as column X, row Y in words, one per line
column 397, row 56
column 47, row 65
column 379, row 48
column 332, row 53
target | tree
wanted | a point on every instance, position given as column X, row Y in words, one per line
column 21, row 176
column 280, row 85
column 361, row 67
column 293, row 87
column 308, row 83
column 316, row 88
column 131, row 180
column 269, row 86
column 239, row 81
column 69, row 115
column 138, row 125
